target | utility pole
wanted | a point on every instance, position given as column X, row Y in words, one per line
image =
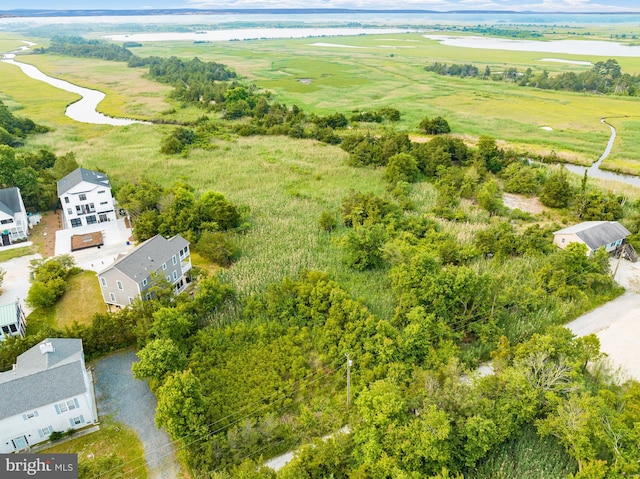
column 348, row 381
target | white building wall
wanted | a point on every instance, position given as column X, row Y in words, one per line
column 87, row 203
column 31, row 423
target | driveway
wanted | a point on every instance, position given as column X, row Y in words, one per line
column 617, row 323
column 131, row 402
column 16, row 281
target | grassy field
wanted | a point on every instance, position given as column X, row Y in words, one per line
column 113, row 439
column 286, row 184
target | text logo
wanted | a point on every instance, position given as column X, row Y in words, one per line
column 45, row 466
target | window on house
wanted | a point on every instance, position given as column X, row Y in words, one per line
column 104, row 202
column 119, row 283
column 5, row 329
column 69, row 211
column 101, row 191
column 66, row 199
column 174, row 259
column 103, row 218
column 45, row 431
column 30, row 415
column 92, row 220
column 78, row 210
column 103, row 281
column 82, row 197
column 6, row 222
column 65, row 406
column 112, row 297
column 13, row 328
column 563, row 240
column 175, row 275
column 164, row 266
column 144, row 282
column 148, row 295
column 76, row 420
column 75, row 222
column 169, row 279
column 130, row 300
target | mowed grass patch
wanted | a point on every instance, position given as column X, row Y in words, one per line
column 113, row 439
column 80, row 302
column 7, row 254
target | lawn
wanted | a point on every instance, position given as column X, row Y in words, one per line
column 80, row 302
column 7, row 254
column 98, row 450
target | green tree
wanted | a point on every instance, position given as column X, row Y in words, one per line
column 556, row 191
column 489, row 197
column 181, row 406
column 435, row 126
column 158, row 358
column 363, row 247
column 401, row 167
column 217, row 247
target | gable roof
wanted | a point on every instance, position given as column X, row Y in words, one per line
column 78, row 176
column 596, row 233
column 148, row 257
column 49, row 372
column 10, row 201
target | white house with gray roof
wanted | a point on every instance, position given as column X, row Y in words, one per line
column 594, row 234
column 85, row 198
column 12, row 321
column 47, row 390
column 131, row 275
column 14, row 223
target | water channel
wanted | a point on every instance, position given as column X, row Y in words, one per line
column 84, row 110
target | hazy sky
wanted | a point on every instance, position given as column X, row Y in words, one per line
column 531, row 5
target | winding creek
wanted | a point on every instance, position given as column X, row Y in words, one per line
column 84, row 110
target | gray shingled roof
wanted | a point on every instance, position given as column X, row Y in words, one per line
column 40, row 379
column 596, row 233
column 148, row 257
column 10, row 200
column 78, row 176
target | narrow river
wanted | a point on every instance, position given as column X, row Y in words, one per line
column 82, row 110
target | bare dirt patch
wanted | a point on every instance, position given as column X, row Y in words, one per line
column 523, row 203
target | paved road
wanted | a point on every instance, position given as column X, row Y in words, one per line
column 131, row 402
column 617, row 323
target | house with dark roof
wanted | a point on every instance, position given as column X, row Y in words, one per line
column 12, row 321
column 14, row 223
column 594, row 234
column 48, row 389
column 85, row 198
column 131, row 275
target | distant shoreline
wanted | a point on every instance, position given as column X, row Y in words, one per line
column 18, row 13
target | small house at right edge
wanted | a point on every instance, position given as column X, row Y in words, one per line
column 594, row 234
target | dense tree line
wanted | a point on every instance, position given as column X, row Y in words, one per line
column 82, row 47
column 604, row 77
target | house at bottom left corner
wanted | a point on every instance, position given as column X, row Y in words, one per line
column 49, row 389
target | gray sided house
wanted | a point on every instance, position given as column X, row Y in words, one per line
column 85, row 198
column 48, row 389
column 14, row 223
column 130, row 276
column 594, row 234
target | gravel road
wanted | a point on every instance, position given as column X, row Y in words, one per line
column 131, row 402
